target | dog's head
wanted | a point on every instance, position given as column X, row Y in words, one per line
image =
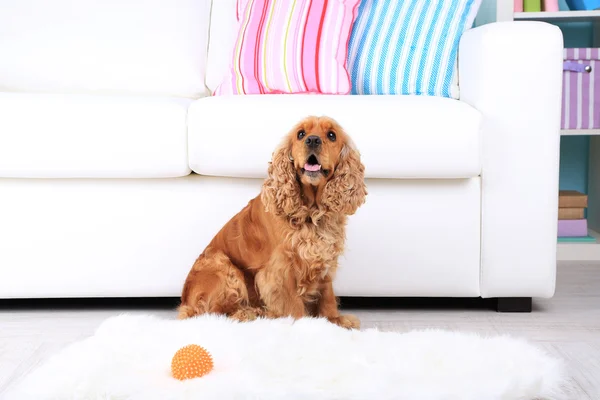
column 316, row 166
column 316, row 149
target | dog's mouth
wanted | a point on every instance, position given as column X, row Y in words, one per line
column 312, row 164
column 312, row 167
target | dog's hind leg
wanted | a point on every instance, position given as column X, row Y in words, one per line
column 213, row 286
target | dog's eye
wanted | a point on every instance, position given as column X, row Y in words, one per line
column 331, row 136
column 301, row 134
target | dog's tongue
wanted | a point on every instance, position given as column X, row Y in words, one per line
column 312, row 167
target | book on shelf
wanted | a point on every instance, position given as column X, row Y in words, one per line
column 551, row 5
column 536, row 5
column 572, row 199
column 518, row 6
column 532, row 5
column 571, row 213
column 572, row 227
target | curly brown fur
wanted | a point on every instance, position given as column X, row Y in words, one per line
column 278, row 256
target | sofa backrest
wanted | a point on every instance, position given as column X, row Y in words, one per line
column 223, row 33
column 141, row 47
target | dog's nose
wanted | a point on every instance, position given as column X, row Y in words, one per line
column 313, row 141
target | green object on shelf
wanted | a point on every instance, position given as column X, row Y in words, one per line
column 577, row 239
column 532, row 5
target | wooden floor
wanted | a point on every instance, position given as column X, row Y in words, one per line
column 567, row 325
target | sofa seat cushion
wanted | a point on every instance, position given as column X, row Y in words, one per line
column 399, row 137
column 80, row 136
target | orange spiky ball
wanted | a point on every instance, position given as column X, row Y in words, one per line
column 191, row 361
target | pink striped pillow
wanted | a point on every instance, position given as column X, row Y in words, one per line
column 291, row 46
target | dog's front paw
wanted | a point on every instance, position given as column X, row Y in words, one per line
column 347, row 321
column 245, row 314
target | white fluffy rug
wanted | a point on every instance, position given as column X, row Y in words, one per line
column 129, row 357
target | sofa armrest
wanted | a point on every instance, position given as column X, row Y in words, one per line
column 512, row 73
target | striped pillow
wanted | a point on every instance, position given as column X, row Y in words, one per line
column 291, row 46
column 408, row 46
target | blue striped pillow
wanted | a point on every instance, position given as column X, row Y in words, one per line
column 408, row 46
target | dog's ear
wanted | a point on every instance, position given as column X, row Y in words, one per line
column 281, row 193
column 346, row 190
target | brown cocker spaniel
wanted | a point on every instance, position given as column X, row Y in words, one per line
column 278, row 256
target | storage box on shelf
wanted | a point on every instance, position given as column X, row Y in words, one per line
column 581, row 92
column 581, row 89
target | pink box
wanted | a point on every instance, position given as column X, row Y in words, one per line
column 572, row 227
column 581, row 89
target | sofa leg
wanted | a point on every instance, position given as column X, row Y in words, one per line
column 514, row 304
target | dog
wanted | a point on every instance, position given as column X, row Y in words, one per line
column 278, row 256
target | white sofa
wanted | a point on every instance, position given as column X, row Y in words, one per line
column 117, row 166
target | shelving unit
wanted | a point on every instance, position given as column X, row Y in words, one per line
column 559, row 16
column 579, row 132
column 587, row 251
column 580, row 251
column 572, row 251
column 505, row 12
